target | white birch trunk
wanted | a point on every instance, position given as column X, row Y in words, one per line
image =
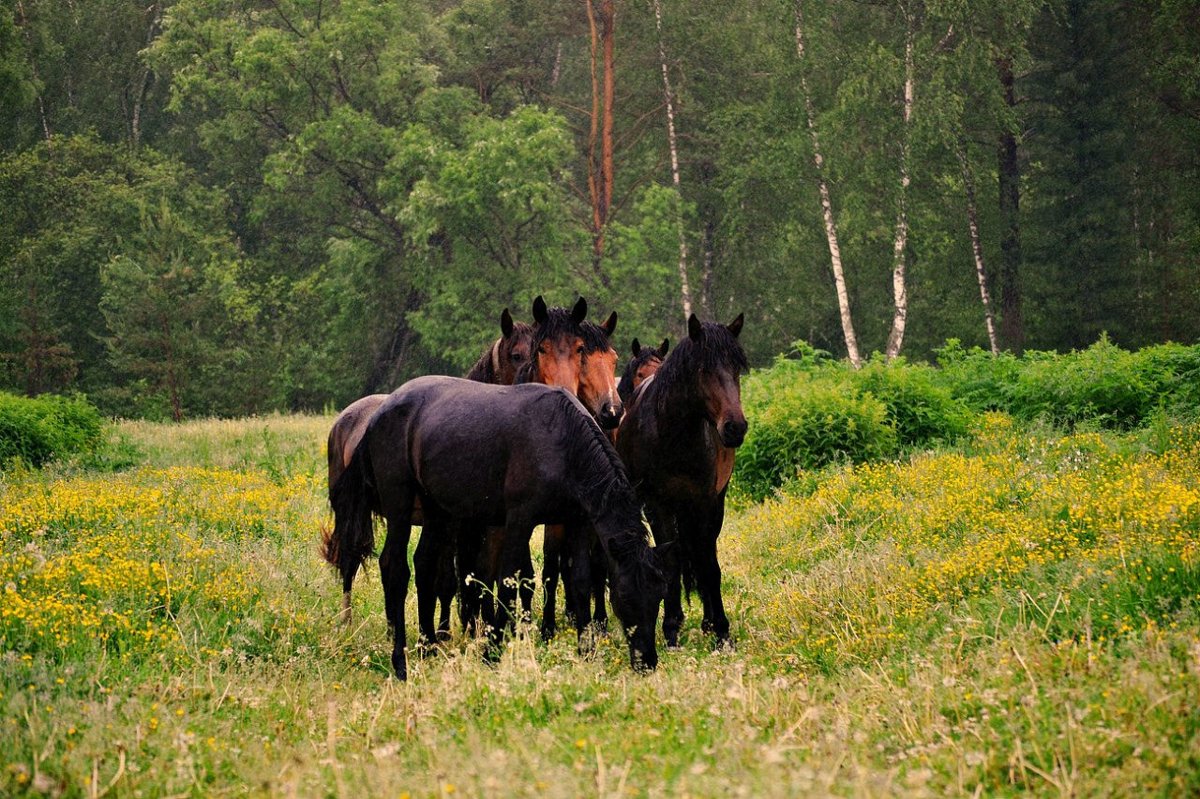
column 900, row 242
column 977, row 250
column 835, row 252
column 669, row 97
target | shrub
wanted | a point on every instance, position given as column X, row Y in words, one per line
column 922, row 411
column 809, row 424
column 36, row 430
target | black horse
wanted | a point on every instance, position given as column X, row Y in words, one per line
column 512, row 456
column 678, row 440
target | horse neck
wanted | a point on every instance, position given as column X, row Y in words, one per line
column 603, row 491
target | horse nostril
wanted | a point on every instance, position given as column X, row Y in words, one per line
column 733, row 433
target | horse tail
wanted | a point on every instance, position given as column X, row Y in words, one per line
column 353, row 498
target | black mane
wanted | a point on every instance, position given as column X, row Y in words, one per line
column 717, row 350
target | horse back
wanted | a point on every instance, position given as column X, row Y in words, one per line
column 347, row 431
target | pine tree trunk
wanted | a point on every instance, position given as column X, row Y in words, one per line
column 900, row 243
column 1012, row 330
column 672, row 144
column 835, row 253
column 600, row 136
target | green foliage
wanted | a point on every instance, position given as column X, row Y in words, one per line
column 1103, row 385
column 39, row 429
column 922, row 411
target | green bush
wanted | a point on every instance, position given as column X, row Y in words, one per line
column 808, row 422
column 36, row 430
column 922, row 411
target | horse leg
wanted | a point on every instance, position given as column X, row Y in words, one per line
column 578, row 588
column 708, row 573
column 425, row 563
column 525, row 582
column 394, row 573
column 513, row 557
column 469, row 544
column 599, row 567
column 665, row 528
column 552, row 547
column 447, row 582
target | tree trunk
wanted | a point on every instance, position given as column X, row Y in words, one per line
column 23, row 21
column 595, row 173
column 977, row 248
column 135, row 121
column 672, row 144
column 1012, row 330
column 835, row 252
column 900, row 243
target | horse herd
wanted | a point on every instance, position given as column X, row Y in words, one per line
column 541, row 432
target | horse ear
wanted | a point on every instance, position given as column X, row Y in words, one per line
column 735, row 327
column 662, row 350
column 695, row 329
column 506, row 323
column 579, row 312
column 610, row 324
column 635, row 348
column 540, row 313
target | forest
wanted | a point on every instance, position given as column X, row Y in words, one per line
column 225, row 207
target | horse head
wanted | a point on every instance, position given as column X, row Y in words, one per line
column 721, row 363
column 598, row 375
column 556, row 347
column 641, row 367
column 511, row 350
column 638, row 588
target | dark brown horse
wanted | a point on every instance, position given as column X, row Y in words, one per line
column 499, row 363
column 532, row 455
column 641, row 367
column 678, row 441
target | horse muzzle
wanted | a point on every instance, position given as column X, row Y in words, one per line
column 610, row 415
column 733, row 432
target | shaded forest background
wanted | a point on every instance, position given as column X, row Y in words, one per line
column 224, row 207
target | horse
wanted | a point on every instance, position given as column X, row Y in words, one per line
column 499, row 363
column 641, row 366
column 678, row 441
column 567, row 550
column 534, row 454
column 557, row 346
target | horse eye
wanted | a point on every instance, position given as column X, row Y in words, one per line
column 517, row 357
column 579, row 350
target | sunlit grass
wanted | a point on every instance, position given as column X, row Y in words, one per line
column 1015, row 616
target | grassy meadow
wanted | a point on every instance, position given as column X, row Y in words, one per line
column 1016, row 614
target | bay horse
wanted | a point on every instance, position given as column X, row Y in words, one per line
column 514, row 456
column 568, row 550
column 499, row 363
column 678, row 440
column 641, row 366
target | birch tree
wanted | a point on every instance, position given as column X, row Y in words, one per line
column 831, row 234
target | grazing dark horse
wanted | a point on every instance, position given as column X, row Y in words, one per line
column 499, row 363
column 678, row 441
column 641, row 367
column 533, row 454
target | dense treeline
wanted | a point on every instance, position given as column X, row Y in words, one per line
column 223, row 206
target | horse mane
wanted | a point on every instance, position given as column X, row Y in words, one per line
column 717, row 350
column 625, row 384
column 595, row 339
column 603, row 478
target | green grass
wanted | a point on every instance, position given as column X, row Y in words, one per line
column 994, row 689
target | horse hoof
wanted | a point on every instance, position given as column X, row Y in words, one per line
column 725, row 645
column 548, row 632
